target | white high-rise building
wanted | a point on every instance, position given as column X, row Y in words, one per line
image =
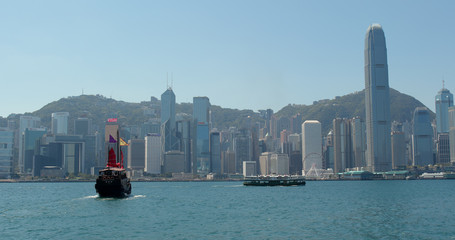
column 60, row 123
column 153, row 154
column 311, row 145
column 279, row 164
column 249, row 168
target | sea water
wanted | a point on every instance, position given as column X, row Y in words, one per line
column 228, row 210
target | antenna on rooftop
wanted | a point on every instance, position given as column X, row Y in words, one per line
column 172, row 80
column 167, row 80
column 443, row 82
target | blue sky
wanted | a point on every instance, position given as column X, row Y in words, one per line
column 240, row 54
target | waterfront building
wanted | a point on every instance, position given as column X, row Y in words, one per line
column 377, row 101
column 215, row 152
column 329, row 160
column 443, row 148
column 90, row 151
column 443, row 100
column 264, row 163
column 153, row 153
column 201, row 118
column 249, row 168
column 295, row 163
column 279, row 164
column 174, row 162
column 60, row 123
column 398, row 150
column 168, row 120
column 452, row 133
column 73, row 150
column 228, row 162
column 82, row 126
column 24, row 123
column 243, row 148
column 136, row 155
column 358, row 138
column 31, row 135
column 342, row 145
column 311, row 145
column 422, row 139
column 6, row 152
column 184, row 132
column 202, row 149
column 67, row 153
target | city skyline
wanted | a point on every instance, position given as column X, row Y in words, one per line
column 126, row 50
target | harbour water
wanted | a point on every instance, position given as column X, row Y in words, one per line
column 228, row 210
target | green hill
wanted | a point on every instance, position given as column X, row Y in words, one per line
column 99, row 108
column 351, row 105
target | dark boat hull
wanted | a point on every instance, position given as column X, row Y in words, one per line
column 117, row 188
column 274, row 182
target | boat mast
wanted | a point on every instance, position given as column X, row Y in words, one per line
column 118, row 146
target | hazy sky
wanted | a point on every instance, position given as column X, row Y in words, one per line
column 240, row 54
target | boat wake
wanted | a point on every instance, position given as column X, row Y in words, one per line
column 90, row 197
column 135, row 197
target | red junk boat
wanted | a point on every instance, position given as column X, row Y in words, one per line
column 112, row 180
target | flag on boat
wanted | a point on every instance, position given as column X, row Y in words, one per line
column 112, row 139
column 122, row 142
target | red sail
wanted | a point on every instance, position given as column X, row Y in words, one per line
column 112, row 162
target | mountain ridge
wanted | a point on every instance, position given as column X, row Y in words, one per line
column 99, row 108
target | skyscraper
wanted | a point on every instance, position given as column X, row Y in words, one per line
column 6, row 152
column 443, row 100
column 153, row 153
column 201, row 119
column 311, row 145
column 215, row 152
column 422, row 141
column 201, row 109
column 377, row 101
column 168, row 107
column 82, row 126
column 24, row 123
column 60, row 123
column 168, row 120
column 342, row 145
column 452, row 133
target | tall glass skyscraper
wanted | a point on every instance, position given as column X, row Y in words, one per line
column 201, row 118
column 168, row 107
column 377, row 101
column 168, row 120
column 443, row 101
column 201, row 109
column 422, row 141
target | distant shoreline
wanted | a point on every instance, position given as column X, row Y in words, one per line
column 197, row 180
